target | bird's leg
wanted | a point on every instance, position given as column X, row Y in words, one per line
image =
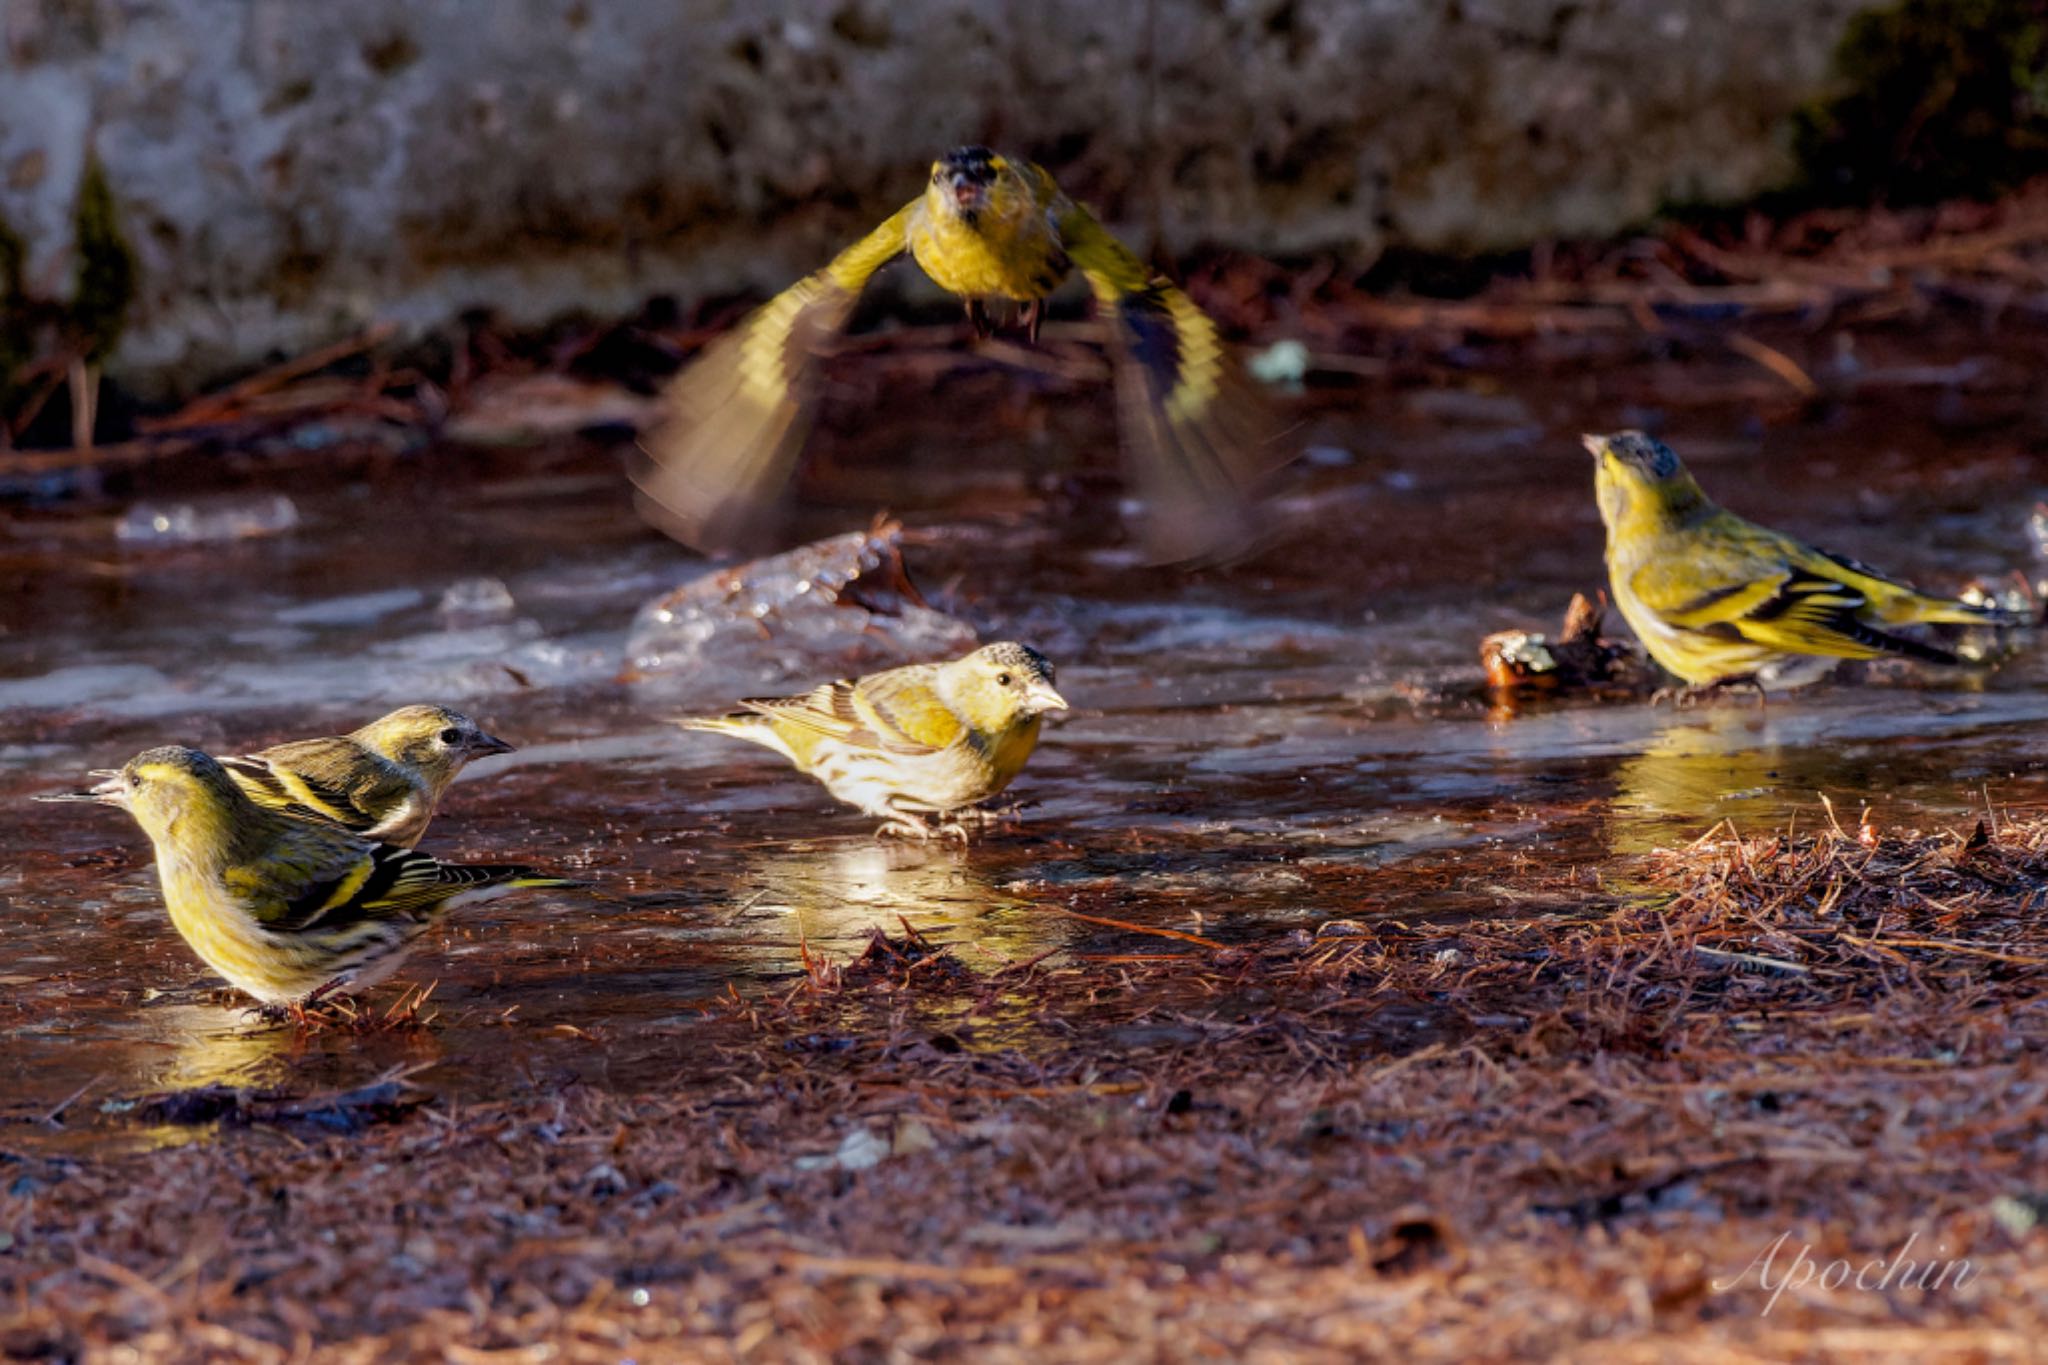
column 982, row 819
column 978, row 318
column 1033, row 317
column 1720, row 687
column 1010, row 808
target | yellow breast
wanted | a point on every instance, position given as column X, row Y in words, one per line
column 995, row 258
column 1011, row 750
column 228, row 941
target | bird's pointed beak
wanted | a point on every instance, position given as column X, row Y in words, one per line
column 1042, row 699
column 967, row 191
column 485, row 745
column 110, row 791
column 1595, row 445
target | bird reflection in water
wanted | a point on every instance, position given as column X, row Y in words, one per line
column 833, row 896
column 1706, row 766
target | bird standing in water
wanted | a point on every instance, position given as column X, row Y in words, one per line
column 289, row 910
column 382, row 781
column 1721, row 601
column 915, row 746
column 996, row 232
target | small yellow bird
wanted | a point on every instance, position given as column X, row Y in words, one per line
column 288, row 910
column 915, row 746
column 1721, row 601
column 382, row 782
column 990, row 229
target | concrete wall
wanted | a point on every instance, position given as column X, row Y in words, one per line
column 291, row 169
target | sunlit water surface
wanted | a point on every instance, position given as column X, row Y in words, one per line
column 1253, row 750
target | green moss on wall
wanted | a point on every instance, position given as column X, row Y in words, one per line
column 17, row 321
column 1937, row 98
column 104, row 272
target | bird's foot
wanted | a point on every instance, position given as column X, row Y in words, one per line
column 1004, row 812
column 982, row 819
column 304, row 1013
column 924, row 827
column 1699, row 694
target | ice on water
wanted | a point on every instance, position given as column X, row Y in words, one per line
column 207, row 521
column 831, row 608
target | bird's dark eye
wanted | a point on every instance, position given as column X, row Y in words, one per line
column 451, row 736
column 1003, row 680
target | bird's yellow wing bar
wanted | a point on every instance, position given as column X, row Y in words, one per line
column 905, row 714
column 385, row 882
column 1197, row 436
column 277, row 789
column 735, row 420
column 307, row 793
column 828, row 709
column 1791, row 610
column 886, row 711
column 1808, row 614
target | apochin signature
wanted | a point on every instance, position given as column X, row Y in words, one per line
column 1873, row 1276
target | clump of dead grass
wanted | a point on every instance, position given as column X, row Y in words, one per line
column 1578, row 1121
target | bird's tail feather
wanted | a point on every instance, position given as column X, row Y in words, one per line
column 515, row 876
column 542, row 879
column 751, row 726
column 1915, row 609
column 1904, row 646
column 739, row 723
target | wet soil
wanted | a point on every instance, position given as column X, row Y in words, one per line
column 1255, row 751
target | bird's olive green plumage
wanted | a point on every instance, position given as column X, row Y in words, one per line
column 286, row 908
column 383, row 781
column 1718, row 599
column 991, row 230
column 928, row 740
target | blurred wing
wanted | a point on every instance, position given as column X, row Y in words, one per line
column 735, row 420
column 1198, row 436
column 895, row 712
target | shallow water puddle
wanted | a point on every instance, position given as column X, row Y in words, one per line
column 1255, row 750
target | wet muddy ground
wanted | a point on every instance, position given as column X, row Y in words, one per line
column 1254, row 751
